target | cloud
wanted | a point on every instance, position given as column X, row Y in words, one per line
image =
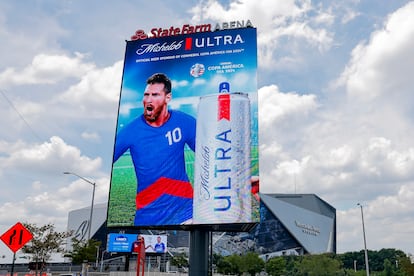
column 392, row 213
column 27, row 30
column 91, row 136
column 353, row 144
column 96, row 93
column 277, row 107
column 46, row 69
column 374, row 118
column 378, row 67
column 44, row 110
column 48, row 157
column 281, row 117
column 41, row 191
column 53, row 206
column 284, row 33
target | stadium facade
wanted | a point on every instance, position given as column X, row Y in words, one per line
column 290, row 224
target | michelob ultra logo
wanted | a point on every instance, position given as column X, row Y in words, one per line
column 190, row 43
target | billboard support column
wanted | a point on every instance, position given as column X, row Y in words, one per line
column 84, row 268
column 199, row 252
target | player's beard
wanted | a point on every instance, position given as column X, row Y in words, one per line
column 152, row 113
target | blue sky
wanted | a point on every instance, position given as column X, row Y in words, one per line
column 335, row 104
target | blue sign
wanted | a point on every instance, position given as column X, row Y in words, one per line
column 124, row 243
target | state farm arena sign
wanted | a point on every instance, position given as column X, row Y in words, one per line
column 190, row 29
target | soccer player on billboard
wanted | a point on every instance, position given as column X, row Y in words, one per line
column 159, row 247
column 156, row 141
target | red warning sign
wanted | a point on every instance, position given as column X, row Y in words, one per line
column 16, row 237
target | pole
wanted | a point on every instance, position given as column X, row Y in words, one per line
column 93, row 199
column 102, row 260
column 97, row 257
column 91, row 212
column 365, row 241
column 199, row 252
column 210, row 267
column 12, row 268
column 85, row 268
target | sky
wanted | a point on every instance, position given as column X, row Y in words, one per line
column 335, row 105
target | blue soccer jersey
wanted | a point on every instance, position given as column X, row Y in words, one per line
column 164, row 194
column 159, row 248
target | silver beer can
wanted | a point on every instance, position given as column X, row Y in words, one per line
column 222, row 187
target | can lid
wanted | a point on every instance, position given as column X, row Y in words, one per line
column 224, row 87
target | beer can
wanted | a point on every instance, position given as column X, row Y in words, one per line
column 222, row 188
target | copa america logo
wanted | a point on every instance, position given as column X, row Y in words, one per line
column 197, row 70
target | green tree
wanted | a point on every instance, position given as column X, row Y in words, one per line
column 351, row 272
column 251, row 263
column 83, row 250
column 291, row 265
column 276, row 266
column 216, row 259
column 350, row 258
column 223, row 266
column 45, row 242
column 388, row 269
column 319, row 265
column 376, row 259
column 405, row 265
column 179, row 261
column 391, row 269
column 231, row 264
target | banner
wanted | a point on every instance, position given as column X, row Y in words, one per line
column 125, row 243
column 186, row 144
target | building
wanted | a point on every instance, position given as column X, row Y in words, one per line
column 290, row 224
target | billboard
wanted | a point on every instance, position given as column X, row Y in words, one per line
column 125, row 243
column 186, row 144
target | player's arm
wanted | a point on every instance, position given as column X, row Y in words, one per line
column 191, row 128
column 121, row 144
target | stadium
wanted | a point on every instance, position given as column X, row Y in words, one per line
column 291, row 224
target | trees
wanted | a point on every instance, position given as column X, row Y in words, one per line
column 319, row 265
column 236, row 264
column 231, row 264
column 406, row 265
column 276, row 266
column 384, row 262
column 179, row 261
column 376, row 259
column 251, row 263
column 83, row 250
column 45, row 242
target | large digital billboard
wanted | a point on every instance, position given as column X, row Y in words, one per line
column 186, row 144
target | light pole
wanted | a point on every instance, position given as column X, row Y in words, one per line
column 102, row 260
column 97, row 256
column 93, row 198
column 365, row 241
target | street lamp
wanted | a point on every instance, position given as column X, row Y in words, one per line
column 97, row 256
column 93, row 198
column 365, row 241
column 102, row 260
